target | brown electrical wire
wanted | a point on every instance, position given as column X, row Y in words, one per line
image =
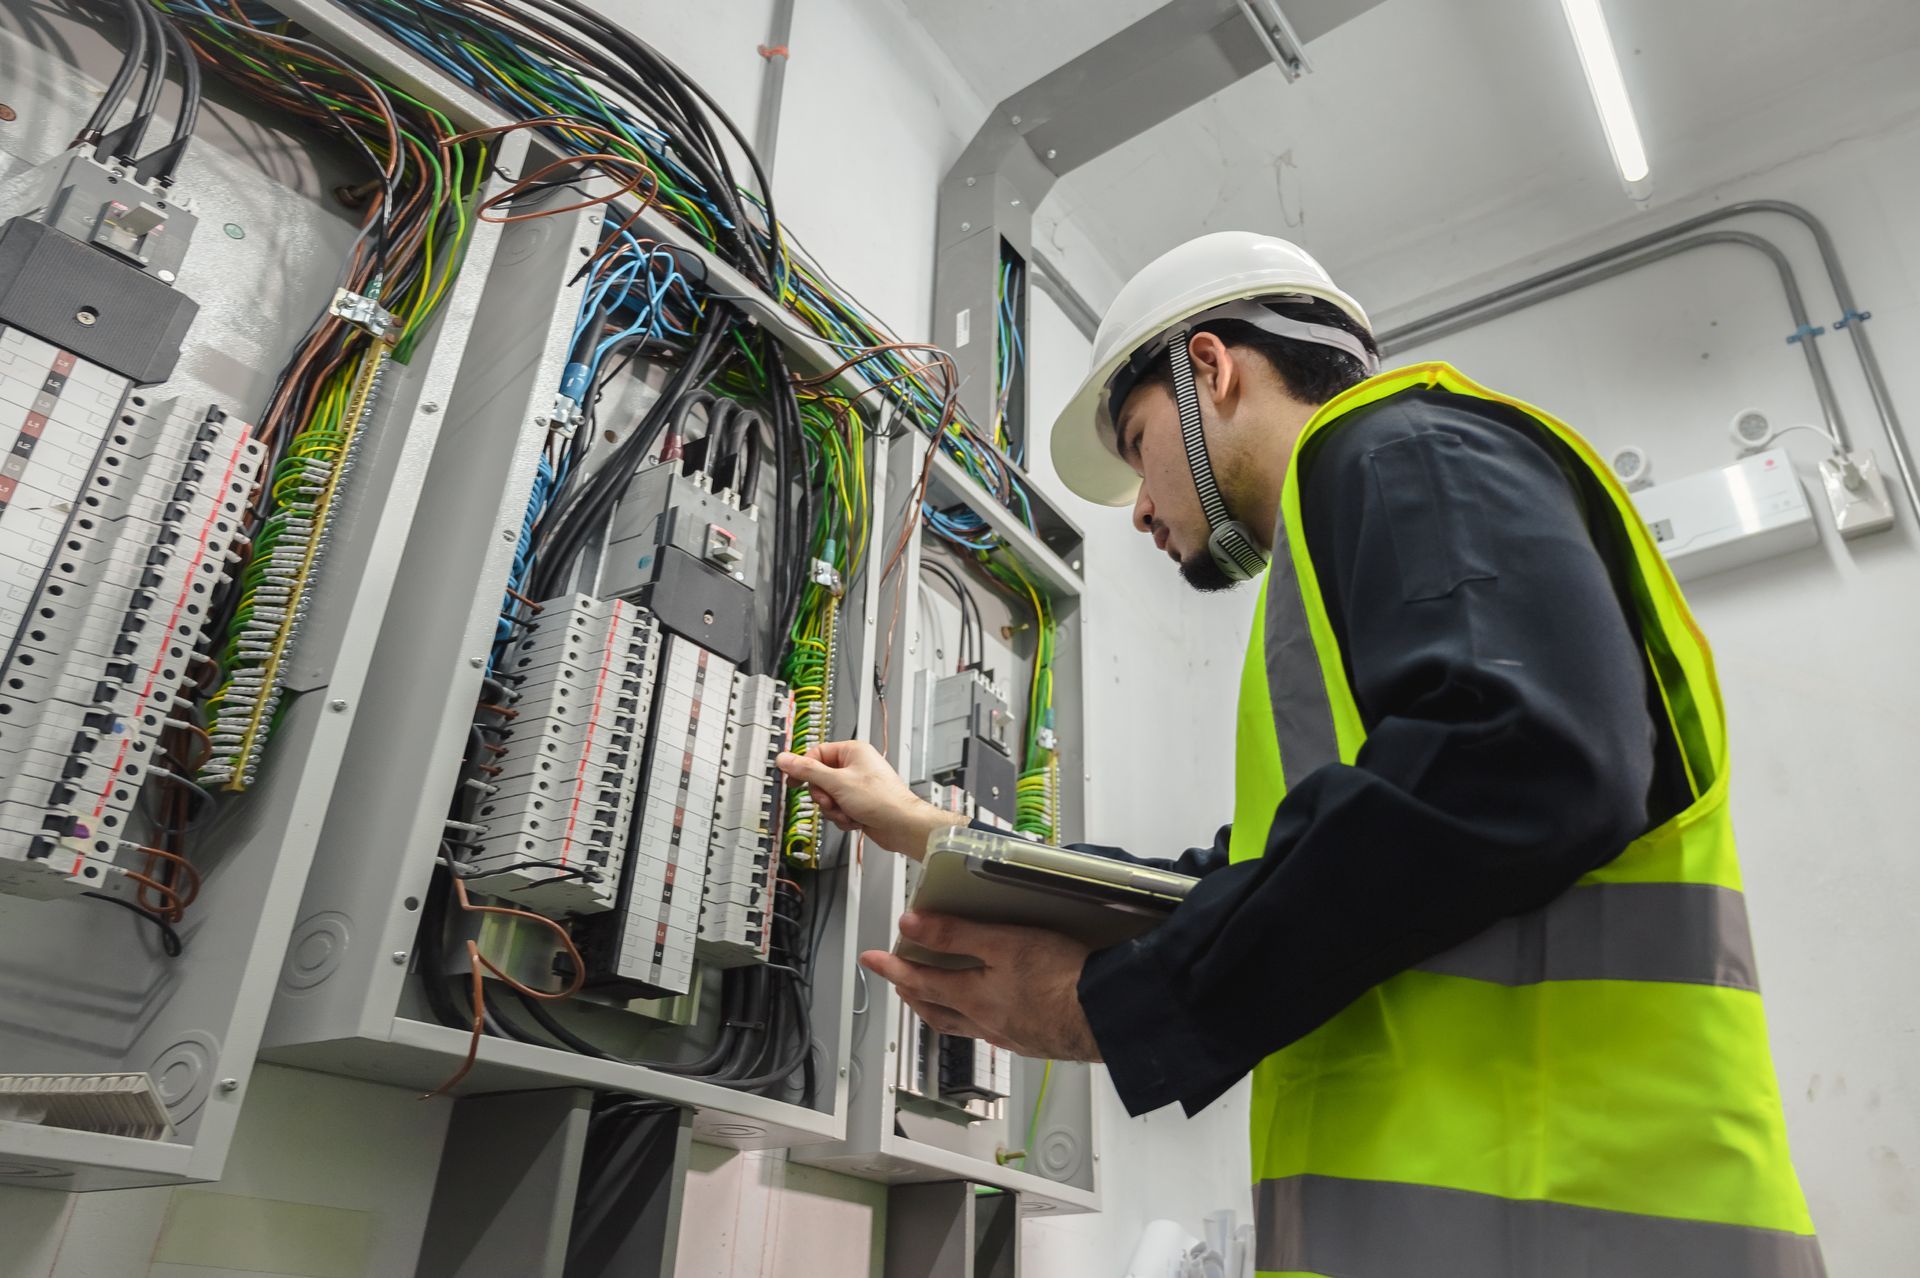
column 478, row 961
column 600, row 159
column 478, row 994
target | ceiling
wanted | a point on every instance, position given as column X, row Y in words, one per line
column 1427, row 124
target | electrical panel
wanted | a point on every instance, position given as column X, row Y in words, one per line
column 418, row 617
column 202, row 497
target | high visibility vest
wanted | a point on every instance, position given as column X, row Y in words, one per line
column 1580, row 1092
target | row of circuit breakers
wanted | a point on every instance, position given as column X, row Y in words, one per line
column 118, row 518
column 118, row 523
column 581, row 768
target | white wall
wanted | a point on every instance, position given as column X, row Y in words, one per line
column 1815, row 650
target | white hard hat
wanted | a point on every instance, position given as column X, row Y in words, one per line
column 1198, row 276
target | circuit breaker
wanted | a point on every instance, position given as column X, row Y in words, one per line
column 967, row 741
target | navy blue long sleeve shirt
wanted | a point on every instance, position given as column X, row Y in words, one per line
column 1514, row 743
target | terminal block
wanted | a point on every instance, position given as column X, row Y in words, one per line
column 974, row 1069
column 737, row 900
column 556, row 826
column 117, row 527
column 958, row 1080
column 645, row 947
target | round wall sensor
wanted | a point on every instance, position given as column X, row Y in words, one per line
column 1750, row 430
column 1634, row 467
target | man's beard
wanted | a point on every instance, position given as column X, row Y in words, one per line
column 1204, row 575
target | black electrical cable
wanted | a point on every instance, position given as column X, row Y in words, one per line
column 191, row 87
column 969, row 608
column 170, row 943
column 750, row 479
column 581, row 508
column 161, row 164
column 130, row 63
column 129, row 139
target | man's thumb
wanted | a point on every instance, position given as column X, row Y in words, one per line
column 803, row 770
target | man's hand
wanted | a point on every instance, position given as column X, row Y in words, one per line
column 1026, row 999
column 858, row 790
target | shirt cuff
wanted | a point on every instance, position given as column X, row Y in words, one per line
column 1154, row 1049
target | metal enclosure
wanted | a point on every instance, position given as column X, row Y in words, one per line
column 84, row 993
column 303, row 950
column 885, row 1139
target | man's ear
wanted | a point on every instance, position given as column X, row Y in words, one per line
column 1216, row 370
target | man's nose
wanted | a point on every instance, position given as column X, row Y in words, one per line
column 1143, row 511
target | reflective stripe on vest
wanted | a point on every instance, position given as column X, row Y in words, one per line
column 1318, row 1224
column 1583, row 1090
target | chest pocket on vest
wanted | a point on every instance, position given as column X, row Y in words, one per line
column 1434, row 509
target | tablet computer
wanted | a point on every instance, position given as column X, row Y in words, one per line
column 1002, row 878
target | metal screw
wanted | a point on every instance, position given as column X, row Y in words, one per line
column 399, row 956
column 506, row 534
column 235, row 231
column 86, row 316
column 540, row 421
column 891, row 1089
column 165, row 277
column 229, row 1084
column 1052, row 154
column 429, row 407
column 966, row 226
column 476, row 662
column 337, row 705
column 893, row 1047
column 971, row 181
column 843, row 1071
column 1016, row 204
column 7, row 113
column 1016, row 119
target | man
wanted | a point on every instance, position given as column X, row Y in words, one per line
column 1476, row 928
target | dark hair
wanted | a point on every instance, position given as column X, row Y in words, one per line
column 1312, row 373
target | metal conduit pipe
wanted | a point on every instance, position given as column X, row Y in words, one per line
column 1851, row 317
column 1516, row 298
column 1049, row 279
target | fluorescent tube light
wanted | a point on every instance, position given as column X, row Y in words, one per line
column 1595, row 46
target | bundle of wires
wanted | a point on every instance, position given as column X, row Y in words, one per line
column 836, row 457
column 149, row 42
column 1010, row 351
column 1037, row 802
column 421, row 179
column 557, row 61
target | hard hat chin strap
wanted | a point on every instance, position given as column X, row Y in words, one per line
column 1229, row 541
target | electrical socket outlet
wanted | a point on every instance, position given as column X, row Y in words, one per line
column 1857, row 493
